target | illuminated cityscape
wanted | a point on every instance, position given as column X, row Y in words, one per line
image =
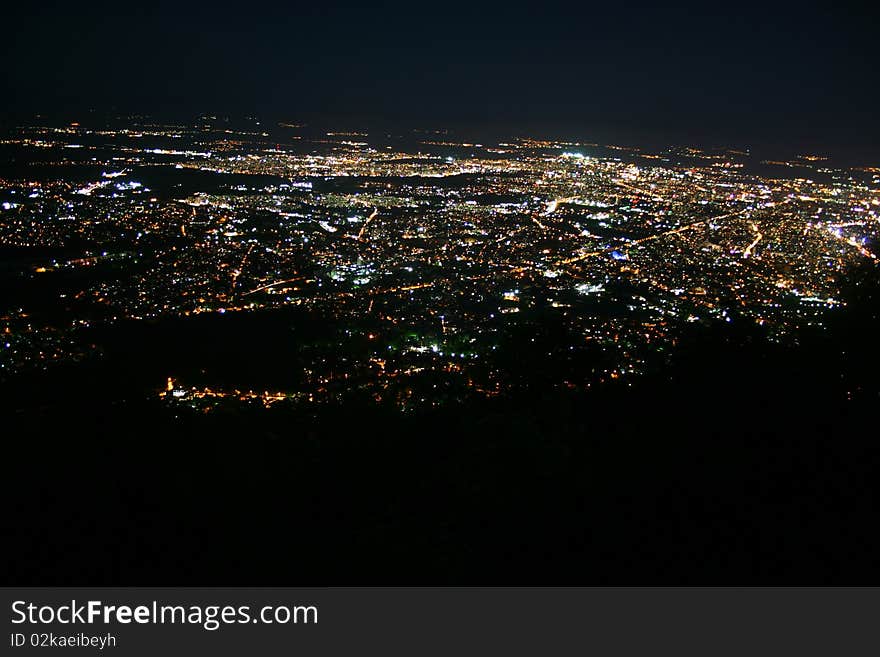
column 433, row 258
column 481, row 293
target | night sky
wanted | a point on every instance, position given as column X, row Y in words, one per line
column 797, row 76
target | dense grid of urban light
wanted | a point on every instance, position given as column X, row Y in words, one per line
column 444, row 246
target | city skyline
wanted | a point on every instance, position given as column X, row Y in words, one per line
column 482, row 293
column 432, row 258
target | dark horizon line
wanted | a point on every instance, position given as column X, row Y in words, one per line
column 604, row 133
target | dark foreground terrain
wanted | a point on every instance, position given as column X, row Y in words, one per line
column 740, row 462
